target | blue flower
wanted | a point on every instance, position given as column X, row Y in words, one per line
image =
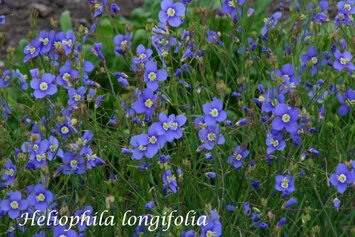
column 169, row 179
column 213, row 226
column 172, row 13
column 214, row 112
column 270, row 23
column 152, row 75
column 9, row 173
column 286, row 117
column 146, row 103
column 123, row 43
column 76, row 96
column 40, row 198
column 285, row 184
column 14, row 204
column 238, row 156
column 341, row 178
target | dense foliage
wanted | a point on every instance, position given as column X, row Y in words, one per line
column 189, row 105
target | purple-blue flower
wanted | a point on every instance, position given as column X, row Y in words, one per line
column 169, row 179
column 40, row 198
column 44, row 87
column 285, row 184
column 9, row 172
column 14, row 204
column 153, row 75
column 214, row 112
column 238, row 156
column 286, row 118
column 172, row 13
column 341, row 178
column 347, row 100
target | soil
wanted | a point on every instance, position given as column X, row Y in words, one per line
column 18, row 13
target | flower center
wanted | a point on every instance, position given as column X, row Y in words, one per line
column 261, row 98
column 347, row 6
column 214, row 112
column 31, row 49
column 123, row 45
column 349, row 102
column 275, row 143
column 142, row 56
column 66, row 76
column 341, row 16
column 10, row 172
column 43, row 86
column 231, row 3
column 64, row 130
column 63, row 235
column 6, row 78
column 53, row 148
column 152, row 76
column 14, row 205
column 40, row 197
column 238, row 157
column 149, row 103
column 35, row 147
column 58, row 45
column 44, row 41
column 170, row 178
column 314, row 60
column 210, row 233
column 166, row 126
column 39, row 158
column 77, row 97
column 73, row 163
column 341, row 178
column 284, row 183
column 211, row 136
column 153, row 139
column 286, row 118
column 142, row 148
column 170, row 12
column 344, row 60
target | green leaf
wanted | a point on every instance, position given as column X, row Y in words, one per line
column 65, row 21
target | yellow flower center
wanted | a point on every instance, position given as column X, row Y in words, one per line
column 286, row 118
column 170, row 12
column 40, row 197
column 43, row 86
column 7, row 78
column 211, row 136
column 214, row 112
column 261, row 98
column 238, row 157
column 10, row 172
column 73, row 163
column 152, row 140
column 35, row 147
column 77, row 97
column 210, row 233
column 202, row 125
column 67, row 42
column 123, row 45
column 142, row 56
column 149, row 103
column 14, row 204
column 64, row 130
column 231, row 3
column 341, row 178
column 349, row 102
column 152, row 76
column 39, row 158
column 44, row 41
column 53, row 148
column 341, row 16
column 66, row 76
column 166, row 126
column 347, row 6
column 31, row 49
column 142, row 148
column 58, row 45
column 170, row 178
column 275, row 143
column 284, row 183
column 314, row 60
column 344, row 60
